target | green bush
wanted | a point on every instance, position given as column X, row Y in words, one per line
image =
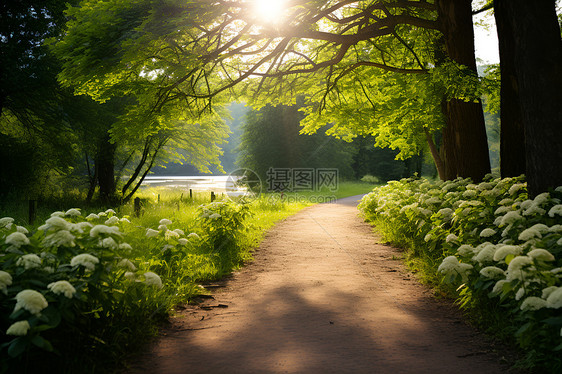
column 501, row 250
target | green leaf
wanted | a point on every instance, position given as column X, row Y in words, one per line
column 42, row 343
column 17, row 346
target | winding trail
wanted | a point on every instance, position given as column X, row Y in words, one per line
column 321, row 297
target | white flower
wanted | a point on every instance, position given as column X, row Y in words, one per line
column 507, row 201
column 57, row 214
column 555, row 210
column 215, row 216
column 48, row 269
column 502, row 210
column 451, row 265
column 62, row 287
column 193, row 235
column 6, row 222
column 465, row 250
column 520, row 293
column 165, row 221
column 19, row 328
column 485, row 254
column 109, row 243
column 487, row 232
column 92, row 216
column 162, row 228
column 61, row 238
column 125, row 247
column 506, row 250
column 516, row 187
column 124, row 220
column 182, row 241
column 126, row 264
column 22, row 229
column 109, row 211
column 171, row 234
column 426, row 238
column 17, row 239
column 510, row 218
column 151, row 233
column 30, row 300
column 152, row 279
column 547, row 291
column 179, row 231
column 484, row 186
column 86, row 260
column 516, row 266
column 554, row 300
column 492, row 272
column 74, row 212
column 58, row 223
column 541, row 198
column 451, row 238
column 433, row 200
column 103, row 229
column 130, row 275
column 29, row 261
column 80, row 226
column 5, row 281
column 555, row 229
column 533, row 303
column 113, row 220
column 541, row 254
column 468, row 194
column 534, row 209
column 529, row 234
column 498, row 287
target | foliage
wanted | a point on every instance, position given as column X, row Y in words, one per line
column 503, row 250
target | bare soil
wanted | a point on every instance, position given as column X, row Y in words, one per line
column 321, row 296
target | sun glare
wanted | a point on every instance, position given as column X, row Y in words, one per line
column 269, row 10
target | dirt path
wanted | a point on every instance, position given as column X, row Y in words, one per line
column 321, row 297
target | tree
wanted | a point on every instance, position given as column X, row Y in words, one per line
column 206, row 51
column 531, row 51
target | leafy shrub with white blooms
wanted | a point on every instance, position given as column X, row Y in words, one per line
column 500, row 248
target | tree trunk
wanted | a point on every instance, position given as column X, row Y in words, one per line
column 105, row 162
column 512, row 134
column 537, row 59
column 435, row 154
column 464, row 136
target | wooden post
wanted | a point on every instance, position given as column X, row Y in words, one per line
column 137, row 206
column 32, row 211
column 158, row 198
column 190, row 194
column 213, row 197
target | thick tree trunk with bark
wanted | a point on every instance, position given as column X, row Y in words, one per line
column 105, row 162
column 537, row 59
column 465, row 146
column 512, row 134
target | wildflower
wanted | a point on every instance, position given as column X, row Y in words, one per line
column 48, row 269
column 124, row 220
column 110, row 211
column 555, row 210
column 103, row 229
column 86, row 260
column 172, row 234
column 541, row 254
column 22, row 229
column 487, row 232
column 73, row 212
column 554, row 300
column 19, row 328
column 486, row 254
column 469, row 194
column 17, row 239
column 163, row 228
column 534, row 209
column 555, row 229
column 61, row 238
column 541, row 198
column 150, row 233
column 433, row 200
column 426, row 238
column 80, row 226
column 520, row 293
column 6, row 222
column 506, row 201
column 424, row 212
column 498, row 287
column 30, row 300
column 506, row 250
column 465, row 250
column 5, row 281
column 62, row 287
column 57, row 223
column 125, row 247
column 57, row 214
column 29, row 261
column 451, row 265
column 516, row 266
column 484, row 186
column 165, row 221
column 113, row 220
column 182, row 241
column 179, row 232
column 516, row 187
column 492, row 272
column 152, row 279
column 193, row 235
column 529, row 234
column 130, row 275
column 532, row 303
column 102, row 214
column 502, row 210
column 451, row 238
column 126, row 264
column 92, row 216
column 547, row 291
column 109, row 243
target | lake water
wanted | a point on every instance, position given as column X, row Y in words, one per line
column 216, row 183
